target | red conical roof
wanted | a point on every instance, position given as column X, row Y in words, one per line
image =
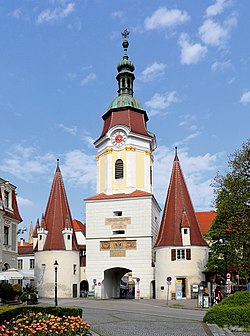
column 178, row 213
column 57, row 213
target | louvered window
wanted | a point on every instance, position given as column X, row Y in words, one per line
column 118, row 169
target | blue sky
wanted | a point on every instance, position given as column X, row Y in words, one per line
column 57, row 77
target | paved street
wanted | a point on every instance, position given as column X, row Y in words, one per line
column 144, row 317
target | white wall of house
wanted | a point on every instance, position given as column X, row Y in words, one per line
column 191, row 270
column 68, row 273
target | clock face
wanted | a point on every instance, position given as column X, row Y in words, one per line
column 118, row 138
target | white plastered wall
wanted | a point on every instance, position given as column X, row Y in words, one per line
column 139, row 261
column 189, row 269
column 45, row 273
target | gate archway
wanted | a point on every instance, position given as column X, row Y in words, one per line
column 111, row 282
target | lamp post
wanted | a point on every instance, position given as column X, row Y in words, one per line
column 55, row 266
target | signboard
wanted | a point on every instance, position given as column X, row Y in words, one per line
column 228, row 275
column 169, row 279
column 178, row 289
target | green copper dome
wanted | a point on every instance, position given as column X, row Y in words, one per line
column 125, row 100
column 125, row 79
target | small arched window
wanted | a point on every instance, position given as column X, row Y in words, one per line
column 118, row 169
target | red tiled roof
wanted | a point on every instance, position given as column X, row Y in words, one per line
column 178, row 212
column 57, row 216
column 79, row 226
column 133, row 118
column 205, row 220
column 34, row 235
column 15, row 214
column 136, row 193
column 25, row 249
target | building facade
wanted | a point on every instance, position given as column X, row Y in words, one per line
column 9, row 220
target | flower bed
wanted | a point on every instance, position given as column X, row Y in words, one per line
column 45, row 324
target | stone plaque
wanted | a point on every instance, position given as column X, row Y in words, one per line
column 117, row 253
column 118, row 221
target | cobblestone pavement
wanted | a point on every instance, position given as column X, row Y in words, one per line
column 110, row 323
column 145, row 318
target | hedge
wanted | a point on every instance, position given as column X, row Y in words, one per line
column 231, row 311
column 7, row 313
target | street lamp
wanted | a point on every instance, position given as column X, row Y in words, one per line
column 55, row 266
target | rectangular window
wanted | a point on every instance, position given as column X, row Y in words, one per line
column 173, row 254
column 6, row 199
column 74, row 269
column 6, row 235
column 68, row 237
column 20, row 264
column 181, row 254
column 117, row 213
column 32, row 263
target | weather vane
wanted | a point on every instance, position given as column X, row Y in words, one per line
column 125, row 33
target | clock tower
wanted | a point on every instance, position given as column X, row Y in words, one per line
column 124, row 149
column 122, row 218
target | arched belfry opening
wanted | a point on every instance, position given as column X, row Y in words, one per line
column 119, row 170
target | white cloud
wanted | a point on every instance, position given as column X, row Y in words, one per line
column 55, row 14
column 245, row 98
column 190, row 53
column 70, row 130
column 16, row 13
column 214, row 34
column 160, row 102
column 87, row 138
column 24, row 163
column 165, row 18
column 24, row 202
column 217, row 8
column 117, row 14
column 79, row 168
column 198, row 171
column 90, row 77
column 155, row 70
column 221, row 66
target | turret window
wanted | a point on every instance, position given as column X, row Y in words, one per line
column 118, row 169
column 180, row 254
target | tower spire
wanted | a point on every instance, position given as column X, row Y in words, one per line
column 125, row 69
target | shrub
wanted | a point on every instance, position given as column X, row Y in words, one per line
column 232, row 311
column 237, row 299
column 6, row 292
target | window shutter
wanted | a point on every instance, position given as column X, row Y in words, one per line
column 188, row 254
column 173, row 254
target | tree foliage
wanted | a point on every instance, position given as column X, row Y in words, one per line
column 229, row 234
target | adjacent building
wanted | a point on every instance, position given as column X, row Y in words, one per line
column 9, row 220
